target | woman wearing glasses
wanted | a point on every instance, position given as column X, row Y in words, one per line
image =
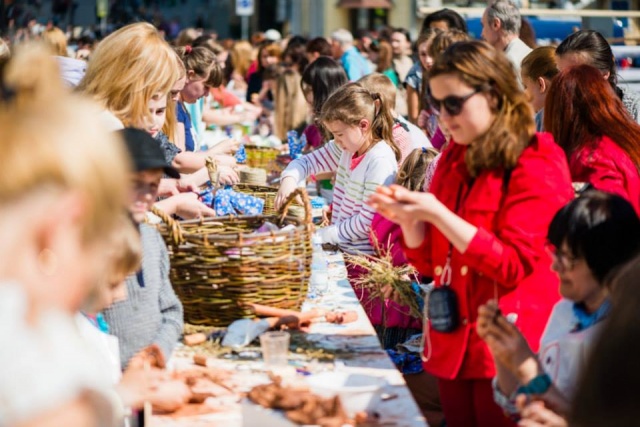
column 480, row 231
column 589, row 239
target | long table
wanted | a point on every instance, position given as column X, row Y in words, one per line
column 356, row 348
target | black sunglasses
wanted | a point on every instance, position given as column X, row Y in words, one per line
column 452, row 104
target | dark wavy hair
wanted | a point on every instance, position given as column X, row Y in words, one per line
column 581, row 108
column 323, row 76
column 601, row 228
column 596, row 49
column 451, row 17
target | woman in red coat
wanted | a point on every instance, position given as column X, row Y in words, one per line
column 481, row 230
column 601, row 140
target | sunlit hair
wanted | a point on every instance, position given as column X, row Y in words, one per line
column 540, row 62
column 439, row 42
column 290, row 105
column 56, row 40
column 202, row 62
column 75, row 154
column 5, row 52
column 127, row 69
column 426, row 36
column 170, row 127
column 352, row 103
column 125, row 251
column 482, row 67
column 242, row 54
column 596, row 51
column 376, row 82
column 187, row 36
column 385, row 55
column 582, row 108
column 272, row 49
column 413, row 170
column 443, row 39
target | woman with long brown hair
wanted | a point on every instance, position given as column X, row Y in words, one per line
column 591, row 124
column 480, row 231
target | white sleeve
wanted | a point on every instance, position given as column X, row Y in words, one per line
column 324, row 159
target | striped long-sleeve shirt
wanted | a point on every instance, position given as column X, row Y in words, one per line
column 152, row 313
column 351, row 217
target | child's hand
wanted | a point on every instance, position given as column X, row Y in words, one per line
column 169, row 396
column 150, row 356
column 225, row 160
column 227, row 175
column 137, row 385
column 228, row 146
column 287, row 186
column 189, row 207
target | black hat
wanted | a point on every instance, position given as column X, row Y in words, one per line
column 146, row 153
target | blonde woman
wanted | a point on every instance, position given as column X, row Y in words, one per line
column 127, row 69
column 290, row 104
column 57, row 212
column 242, row 55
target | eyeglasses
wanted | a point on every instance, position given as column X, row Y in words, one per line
column 452, row 104
column 566, row 261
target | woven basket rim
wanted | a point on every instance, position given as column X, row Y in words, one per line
column 249, row 235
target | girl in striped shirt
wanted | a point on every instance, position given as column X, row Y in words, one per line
column 363, row 155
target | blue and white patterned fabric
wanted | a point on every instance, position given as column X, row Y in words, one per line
column 241, row 154
column 296, row 144
column 230, row 202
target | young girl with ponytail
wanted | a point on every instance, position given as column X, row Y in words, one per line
column 362, row 153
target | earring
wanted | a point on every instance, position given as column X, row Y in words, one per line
column 48, row 262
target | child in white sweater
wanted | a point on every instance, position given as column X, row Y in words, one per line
column 363, row 155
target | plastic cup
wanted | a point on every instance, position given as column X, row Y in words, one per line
column 275, row 348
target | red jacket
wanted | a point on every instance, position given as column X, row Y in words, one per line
column 506, row 254
column 609, row 168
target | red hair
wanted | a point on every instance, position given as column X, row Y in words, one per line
column 581, row 108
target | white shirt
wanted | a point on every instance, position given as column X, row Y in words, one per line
column 42, row 366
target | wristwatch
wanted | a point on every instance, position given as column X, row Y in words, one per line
column 538, row 385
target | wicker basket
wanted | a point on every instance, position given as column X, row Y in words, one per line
column 219, row 265
column 261, row 157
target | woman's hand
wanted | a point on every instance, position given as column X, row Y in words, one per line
column 506, row 343
column 287, row 186
column 405, row 207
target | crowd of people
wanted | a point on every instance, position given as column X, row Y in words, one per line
column 508, row 176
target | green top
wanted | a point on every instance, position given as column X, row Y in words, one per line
column 393, row 76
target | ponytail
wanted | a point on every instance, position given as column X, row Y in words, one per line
column 382, row 125
column 352, row 103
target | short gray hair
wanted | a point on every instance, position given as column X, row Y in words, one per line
column 342, row 36
column 507, row 13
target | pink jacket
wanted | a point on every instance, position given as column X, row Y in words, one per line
column 388, row 235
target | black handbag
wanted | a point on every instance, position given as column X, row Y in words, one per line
column 443, row 309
